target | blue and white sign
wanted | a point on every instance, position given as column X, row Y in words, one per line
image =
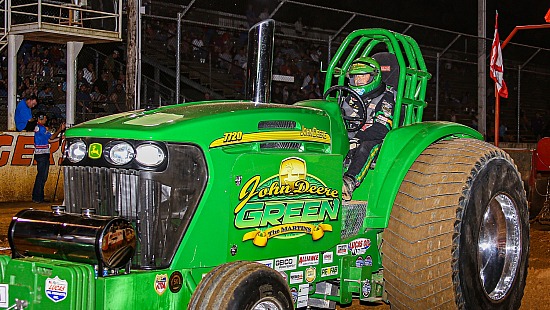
column 56, row 289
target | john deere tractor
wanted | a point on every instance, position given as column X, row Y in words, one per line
column 238, row 205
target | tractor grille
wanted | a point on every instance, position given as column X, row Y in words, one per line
column 353, row 215
column 159, row 204
column 281, row 145
column 277, row 125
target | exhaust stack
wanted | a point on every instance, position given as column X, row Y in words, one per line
column 260, row 61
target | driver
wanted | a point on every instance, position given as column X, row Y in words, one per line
column 365, row 78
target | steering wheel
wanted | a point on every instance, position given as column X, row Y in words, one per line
column 354, row 112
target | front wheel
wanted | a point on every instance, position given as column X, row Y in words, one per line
column 242, row 286
column 458, row 235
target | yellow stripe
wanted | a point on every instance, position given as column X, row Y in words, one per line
column 272, row 136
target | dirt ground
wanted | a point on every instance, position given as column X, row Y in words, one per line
column 537, row 290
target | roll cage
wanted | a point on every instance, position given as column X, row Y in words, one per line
column 409, row 78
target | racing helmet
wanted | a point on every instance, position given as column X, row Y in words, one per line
column 364, row 75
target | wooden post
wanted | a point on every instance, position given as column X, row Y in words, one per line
column 131, row 55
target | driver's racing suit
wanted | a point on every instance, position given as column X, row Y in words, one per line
column 380, row 104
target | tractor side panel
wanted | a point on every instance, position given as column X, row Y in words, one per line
column 284, row 204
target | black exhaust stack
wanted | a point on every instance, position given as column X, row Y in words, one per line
column 260, row 61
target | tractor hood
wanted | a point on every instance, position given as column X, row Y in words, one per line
column 203, row 122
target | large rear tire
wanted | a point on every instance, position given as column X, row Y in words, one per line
column 458, row 235
column 242, row 286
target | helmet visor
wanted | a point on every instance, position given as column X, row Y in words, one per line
column 360, row 79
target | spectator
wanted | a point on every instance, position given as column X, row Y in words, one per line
column 42, row 140
column 23, row 114
column 58, row 94
column 46, row 94
column 198, row 52
column 537, row 126
column 111, row 62
column 264, row 15
column 83, row 101
column 299, row 27
column 251, row 17
column 225, row 59
column 88, row 73
column 240, row 58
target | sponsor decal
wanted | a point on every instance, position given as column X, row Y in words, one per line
column 308, row 260
column 4, row 296
column 95, row 150
column 285, row 263
column 303, row 295
column 294, row 293
column 284, row 275
column 341, row 249
column 368, row 260
column 176, row 282
column 385, row 68
column 359, row 246
column 328, row 257
column 365, row 290
column 56, row 289
column 305, row 134
column 267, row 262
column 296, row 277
column 288, row 205
column 329, row 271
column 359, row 262
column 311, row 274
column 160, row 283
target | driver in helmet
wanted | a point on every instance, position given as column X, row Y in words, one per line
column 365, row 78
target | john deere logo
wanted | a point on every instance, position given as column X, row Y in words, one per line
column 287, row 205
column 94, row 151
column 292, row 169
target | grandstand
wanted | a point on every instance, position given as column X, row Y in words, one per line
column 214, row 70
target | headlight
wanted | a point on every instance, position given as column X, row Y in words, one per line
column 149, row 155
column 120, row 153
column 76, row 151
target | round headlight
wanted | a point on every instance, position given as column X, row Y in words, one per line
column 76, row 151
column 121, row 153
column 149, row 155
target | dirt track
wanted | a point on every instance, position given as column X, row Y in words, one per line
column 537, row 290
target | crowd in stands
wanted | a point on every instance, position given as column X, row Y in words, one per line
column 41, row 72
column 226, row 51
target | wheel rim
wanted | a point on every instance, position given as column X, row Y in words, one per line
column 268, row 303
column 499, row 247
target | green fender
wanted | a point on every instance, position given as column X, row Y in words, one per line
column 400, row 149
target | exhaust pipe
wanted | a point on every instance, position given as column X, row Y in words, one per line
column 260, row 61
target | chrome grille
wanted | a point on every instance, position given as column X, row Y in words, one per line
column 353, row 215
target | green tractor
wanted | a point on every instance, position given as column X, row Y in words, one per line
column 238, row 205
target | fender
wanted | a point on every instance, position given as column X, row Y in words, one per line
column 400, row 149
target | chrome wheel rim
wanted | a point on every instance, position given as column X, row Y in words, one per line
column 267, row 303
column 499, row 247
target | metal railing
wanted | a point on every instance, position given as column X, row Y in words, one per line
column 22, row 12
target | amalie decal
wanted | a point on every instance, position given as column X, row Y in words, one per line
column 288, row 205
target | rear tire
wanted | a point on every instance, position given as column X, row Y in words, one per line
column 242, row 286
column 458, row 235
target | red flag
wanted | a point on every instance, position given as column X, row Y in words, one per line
column 497, row 68
column 547, row 17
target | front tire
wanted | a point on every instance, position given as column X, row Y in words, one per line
column 458, row 235
column 242, row 286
